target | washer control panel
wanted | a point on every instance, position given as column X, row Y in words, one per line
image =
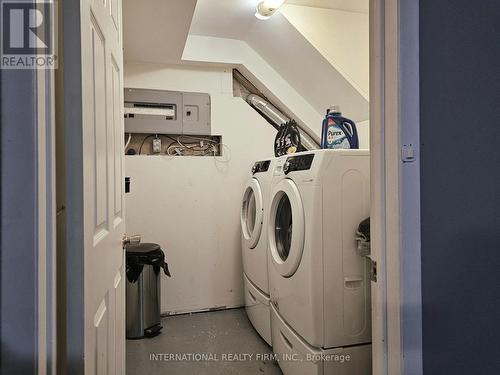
column 261, row 166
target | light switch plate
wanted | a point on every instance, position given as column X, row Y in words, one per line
column 408, row 153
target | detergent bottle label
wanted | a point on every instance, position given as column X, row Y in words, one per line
column 335, row 136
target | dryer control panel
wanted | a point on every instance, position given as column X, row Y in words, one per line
column 298, row 163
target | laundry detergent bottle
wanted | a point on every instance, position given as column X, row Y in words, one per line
column 338, row 131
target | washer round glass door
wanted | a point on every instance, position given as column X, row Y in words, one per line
column 286, row 227
column 251, row 213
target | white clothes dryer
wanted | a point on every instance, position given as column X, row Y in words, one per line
column 319, row 284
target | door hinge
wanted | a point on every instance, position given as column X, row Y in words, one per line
column 135, row 239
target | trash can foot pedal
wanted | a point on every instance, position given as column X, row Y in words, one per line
column 153, row 331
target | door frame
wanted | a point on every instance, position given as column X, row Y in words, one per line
column 28, row 321
column 394, row 113
column 47, row 214
column 394, row 149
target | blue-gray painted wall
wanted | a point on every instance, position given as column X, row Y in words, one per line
column 460, row 181
column 19, row 238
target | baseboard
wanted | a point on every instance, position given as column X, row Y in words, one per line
column 204, row 310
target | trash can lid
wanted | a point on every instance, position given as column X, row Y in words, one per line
column 142, row 254
column 142, row 248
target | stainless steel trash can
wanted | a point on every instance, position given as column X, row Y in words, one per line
column 144, row 262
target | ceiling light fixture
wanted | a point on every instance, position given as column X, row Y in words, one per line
column 267, row 8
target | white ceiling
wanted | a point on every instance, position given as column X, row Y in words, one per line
column 156, row 30
column 235, row 18
column 224, row 18
column 284, row 48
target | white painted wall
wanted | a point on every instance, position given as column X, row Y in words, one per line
column 234, row 52
column 342, row 37
column 191, row 205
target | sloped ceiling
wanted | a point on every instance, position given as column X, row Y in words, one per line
column 303, row 66
column 156, row 30
column 361, row 6
column 342, row 37
column 286, row 49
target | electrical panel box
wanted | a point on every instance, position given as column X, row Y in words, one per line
column 167, row 112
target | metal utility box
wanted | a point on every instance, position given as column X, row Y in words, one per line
column 167, row 112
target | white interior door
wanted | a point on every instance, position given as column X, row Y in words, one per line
column 97, row 161
column 103, row 161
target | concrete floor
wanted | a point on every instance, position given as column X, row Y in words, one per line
column 213, row 337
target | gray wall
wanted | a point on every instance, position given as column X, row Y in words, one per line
column 460, row 176
column 18, row 245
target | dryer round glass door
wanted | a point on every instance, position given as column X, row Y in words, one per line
column 283, row 227
column 286, row 228
column 252, row 213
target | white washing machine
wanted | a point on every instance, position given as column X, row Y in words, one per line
column 254, row 246
column 319, row 285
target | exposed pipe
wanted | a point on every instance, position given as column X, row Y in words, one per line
column 242, row 80
column 267, row 109
column 258, row 101
column 279, row 118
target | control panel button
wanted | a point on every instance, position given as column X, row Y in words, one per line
column 286, row 167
